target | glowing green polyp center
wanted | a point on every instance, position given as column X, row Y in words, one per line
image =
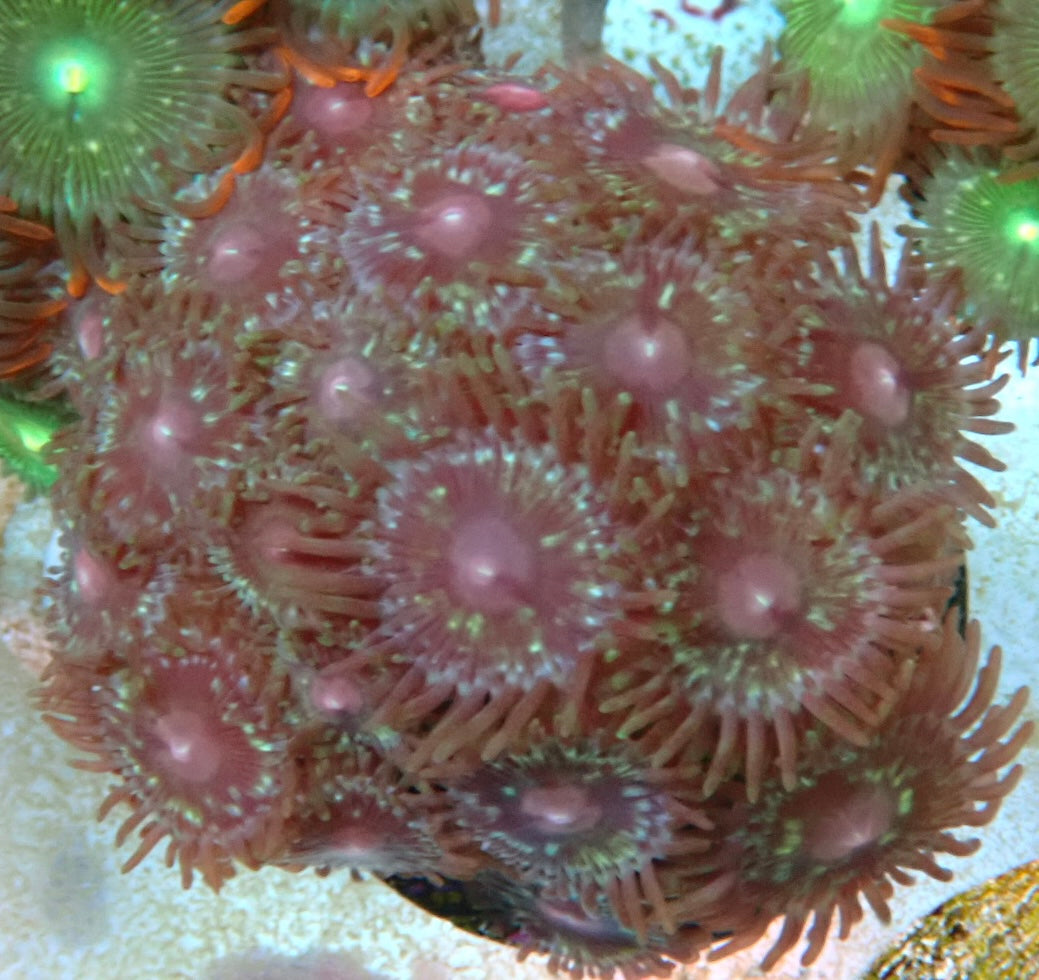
column 25, row 431
column 34, row 436
column 75, row 71
column 73, row 77
column 1023, row 229
column 857, row 13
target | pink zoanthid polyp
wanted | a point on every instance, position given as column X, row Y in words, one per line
column 497, row 562
column 289, row 548
column 492, row 568
column 670, row 328
column 683, row 168
column 467, row 229
column 757, row 593
column 877, row 384
column 567, row 814
column 859, row 819
column 647, row 354
column 916, row 379
column 203, row 765
column 166, row 430
column 337, row 114
column 93, row 593
column 791, row 596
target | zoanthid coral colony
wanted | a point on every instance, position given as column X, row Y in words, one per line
column 543, row 495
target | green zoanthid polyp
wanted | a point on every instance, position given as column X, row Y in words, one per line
column 106, row 104
column 987, row 228
column 860, row 72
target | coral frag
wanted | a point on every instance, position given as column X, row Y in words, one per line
column 513, row 482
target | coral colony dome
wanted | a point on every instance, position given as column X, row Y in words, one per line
column 519, row 487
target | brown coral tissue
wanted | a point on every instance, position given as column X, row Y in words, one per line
column 540, row 498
